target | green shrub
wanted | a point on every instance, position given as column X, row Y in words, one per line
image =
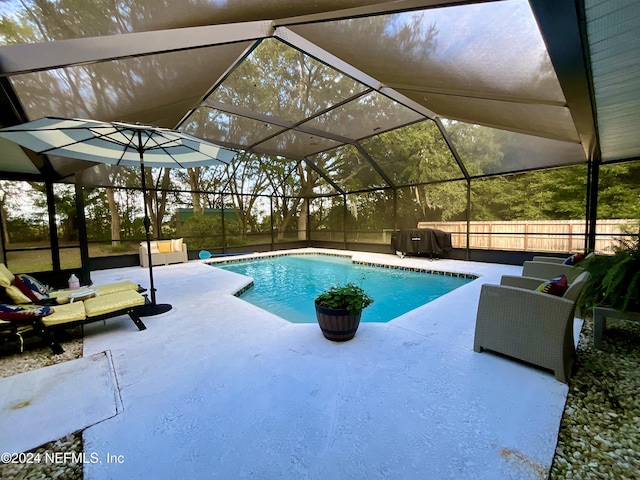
column 348, row 297
column 615, row 280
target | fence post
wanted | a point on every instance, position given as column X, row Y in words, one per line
column 570, row 237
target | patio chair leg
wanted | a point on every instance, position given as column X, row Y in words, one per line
column 136, row 319
column 47, row 337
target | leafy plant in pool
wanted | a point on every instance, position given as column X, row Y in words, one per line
column 348, row 297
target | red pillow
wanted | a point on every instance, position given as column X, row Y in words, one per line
column 574, row 259
column 556, row 286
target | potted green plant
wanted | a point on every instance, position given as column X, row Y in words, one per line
column 339, row 310
column 614, row 280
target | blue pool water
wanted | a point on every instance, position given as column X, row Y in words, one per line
column 288, row 285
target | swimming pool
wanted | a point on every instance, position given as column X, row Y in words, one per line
column 286, row 285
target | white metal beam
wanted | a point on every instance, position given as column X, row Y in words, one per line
column 34, row 57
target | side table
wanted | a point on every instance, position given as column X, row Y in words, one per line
column 600, row 315
column 82, row 294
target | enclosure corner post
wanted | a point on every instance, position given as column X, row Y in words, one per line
column 82, row 233
column 53, row 226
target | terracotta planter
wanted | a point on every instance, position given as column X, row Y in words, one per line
column 337, row 325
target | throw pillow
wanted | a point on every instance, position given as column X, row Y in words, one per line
column 31, row 287
column 16, row 295
column 556, row 286
column 6, row 277
column 574, row 259
column 153, row 244
column 176, row 245
column 164, row 247
column 15, row 312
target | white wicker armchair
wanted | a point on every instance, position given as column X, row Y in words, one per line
column 542, row 258
column 528, row 325
column 539, row 258
column 547, row 270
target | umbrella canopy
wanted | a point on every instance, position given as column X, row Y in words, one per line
column 124, row 144
column 116, row 143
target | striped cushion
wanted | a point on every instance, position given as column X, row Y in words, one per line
column 17, row 312
column 31, row 287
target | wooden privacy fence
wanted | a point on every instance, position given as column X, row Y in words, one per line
column 532, row 235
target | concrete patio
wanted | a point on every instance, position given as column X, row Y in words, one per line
column 217, row 388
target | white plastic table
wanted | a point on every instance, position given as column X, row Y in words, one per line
column 82, row 294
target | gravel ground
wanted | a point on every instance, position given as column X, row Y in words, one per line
column 600, row 429
column 599, row 432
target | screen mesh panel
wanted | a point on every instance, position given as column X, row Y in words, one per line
column 152, row 89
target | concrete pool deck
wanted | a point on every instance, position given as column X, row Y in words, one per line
column 217, row 388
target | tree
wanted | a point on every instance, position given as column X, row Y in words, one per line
column 247, row 180
column 619, row 191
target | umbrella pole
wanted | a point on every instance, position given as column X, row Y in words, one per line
column 152, row 308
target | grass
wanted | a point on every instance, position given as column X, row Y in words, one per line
column 40, row 260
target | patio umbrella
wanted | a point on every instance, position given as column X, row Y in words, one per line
column 118, row 143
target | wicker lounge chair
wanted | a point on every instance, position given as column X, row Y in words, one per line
column 516, row 320
column 77, row 313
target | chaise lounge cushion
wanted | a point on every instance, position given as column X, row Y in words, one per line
column 112, row 303
column 116, row 287
column 62, row 296
column 71, row 312
column 93, row 309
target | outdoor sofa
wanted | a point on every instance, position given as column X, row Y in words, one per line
column 163, row 252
